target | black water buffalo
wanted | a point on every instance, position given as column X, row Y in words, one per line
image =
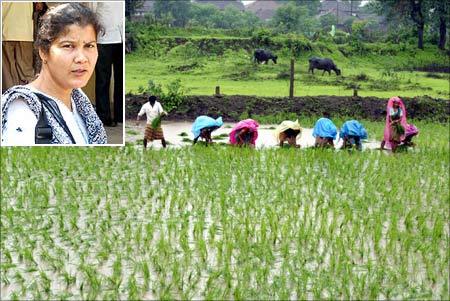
column 323, row 64
column 261, row 55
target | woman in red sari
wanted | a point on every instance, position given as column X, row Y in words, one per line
column 397, row 131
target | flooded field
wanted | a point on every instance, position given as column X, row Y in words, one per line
column 225, row 223
column 178, row 134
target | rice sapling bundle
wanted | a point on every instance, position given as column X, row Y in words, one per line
column 156, row 122
column 399, row 129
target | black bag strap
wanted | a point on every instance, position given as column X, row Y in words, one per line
column 43, row 131
column 52, row 107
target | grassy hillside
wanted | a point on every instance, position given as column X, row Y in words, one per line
column 203, row 62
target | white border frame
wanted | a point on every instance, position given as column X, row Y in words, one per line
column 123, row 81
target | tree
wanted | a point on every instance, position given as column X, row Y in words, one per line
column 440, row 16
column 327, row 20
column 403, row 12
column 418, row 17
column 293, row 18
column 229, row 18
column 203, row 13
column 348, row 24
column 131, row 5
column 420, row 13
column 179, row 10
column 312, row 6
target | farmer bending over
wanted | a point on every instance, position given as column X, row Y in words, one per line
column 203, row 127
column 352, row 132
column 244, row 133
column 288, row 131
column 324, row 131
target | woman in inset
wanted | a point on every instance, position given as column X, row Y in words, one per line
column 324, row 131
column 52, row 109
column 288, row 131
column 203, row 127
column 352, row 132
column 244, row 133
column 397, row 131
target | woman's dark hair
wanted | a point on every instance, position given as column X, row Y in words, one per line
column 56, row 20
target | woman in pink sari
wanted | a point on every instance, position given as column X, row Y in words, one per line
column 397, row 131
column 245, row 132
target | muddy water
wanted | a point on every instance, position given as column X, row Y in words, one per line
column 173, row 129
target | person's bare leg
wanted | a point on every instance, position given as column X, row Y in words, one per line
column 317, row 142
column 358, row 144
column 145, row 143
column 330, row 143
column 292, row 142
column 383, row 143
column 163, row 142
column 394, row 146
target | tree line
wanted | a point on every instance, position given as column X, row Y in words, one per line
column 422, row 19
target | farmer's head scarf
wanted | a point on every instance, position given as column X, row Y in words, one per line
column 94, row 126
column 387, row 127
column 202, row 122
column 249, row 124
column 325, row 128
column 353, row 128
column 285, row 125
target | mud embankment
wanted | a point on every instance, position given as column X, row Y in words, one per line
column 233, row 107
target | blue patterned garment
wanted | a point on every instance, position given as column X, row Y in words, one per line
column 353, row 128
column 94, row 126
column 202, row 122
column 325, row 128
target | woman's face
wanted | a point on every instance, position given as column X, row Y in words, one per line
column 72, row 56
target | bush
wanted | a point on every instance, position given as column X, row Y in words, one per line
column 297, row 45
column 262, row 37
column 362, row 77
column 187, row 50
column 172, row 98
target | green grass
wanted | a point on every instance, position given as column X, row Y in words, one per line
column 236, row 74
column 223, row 223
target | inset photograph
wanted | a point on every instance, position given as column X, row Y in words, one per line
column 62, row 73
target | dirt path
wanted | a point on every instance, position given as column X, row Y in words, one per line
column 173, row 129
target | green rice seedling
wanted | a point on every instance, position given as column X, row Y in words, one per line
column 146, row 274
column 26, row 254
column 5, row 279
column 92, row 282
column 45, row 282
column 15, row 296
column 156, row 122
column 132, row 288
column 68, row 278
